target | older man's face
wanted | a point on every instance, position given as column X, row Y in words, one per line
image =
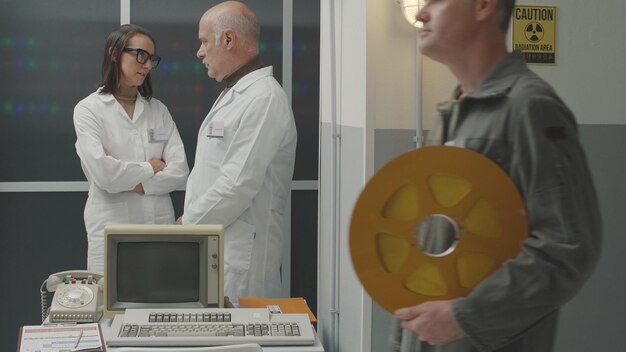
column 211, row 52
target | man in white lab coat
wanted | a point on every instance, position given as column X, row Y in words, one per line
column 245, row 154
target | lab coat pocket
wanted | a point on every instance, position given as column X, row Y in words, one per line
column 214, row 152
column 238, row 243
column 155, row 150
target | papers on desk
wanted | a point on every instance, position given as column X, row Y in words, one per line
column 61, row 338
column 287, row 305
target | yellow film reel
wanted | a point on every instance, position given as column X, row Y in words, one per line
column 432, row 223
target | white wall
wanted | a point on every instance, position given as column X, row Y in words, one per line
column 344, row 134
column 350, row 59
column 437, row 85
column 392, row 67
column 589, row 73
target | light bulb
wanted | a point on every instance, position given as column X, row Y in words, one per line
column 410, row 8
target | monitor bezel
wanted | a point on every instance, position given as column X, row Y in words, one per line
column 204, row 235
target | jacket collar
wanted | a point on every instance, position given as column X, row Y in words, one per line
column 501, row 79
column 496, row 84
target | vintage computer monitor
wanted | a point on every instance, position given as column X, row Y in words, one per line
column 163, row 266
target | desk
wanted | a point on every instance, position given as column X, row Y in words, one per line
column 316, row 347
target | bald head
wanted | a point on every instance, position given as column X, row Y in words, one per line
column 237, row 17
column 229, row 37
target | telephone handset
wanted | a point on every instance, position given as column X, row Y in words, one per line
column 76, row 298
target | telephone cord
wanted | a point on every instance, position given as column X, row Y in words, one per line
column 44, row 302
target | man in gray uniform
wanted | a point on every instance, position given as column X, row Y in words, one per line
column 504, row 111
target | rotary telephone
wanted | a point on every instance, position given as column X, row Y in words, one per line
column 77, row 297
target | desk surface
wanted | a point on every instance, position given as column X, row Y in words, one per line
column 316, row 347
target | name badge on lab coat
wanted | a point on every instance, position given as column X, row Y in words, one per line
column 157, row 135
column 215, row 129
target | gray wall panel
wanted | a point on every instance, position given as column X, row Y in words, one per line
column 595, row 320
column 390, row 144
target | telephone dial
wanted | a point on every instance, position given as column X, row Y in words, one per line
column 77, row 297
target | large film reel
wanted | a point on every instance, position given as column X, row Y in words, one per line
column 432, row 223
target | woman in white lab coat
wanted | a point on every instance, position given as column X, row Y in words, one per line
column 128, row 144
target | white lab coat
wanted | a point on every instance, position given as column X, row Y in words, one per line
column 242, row 180
column 101, row 122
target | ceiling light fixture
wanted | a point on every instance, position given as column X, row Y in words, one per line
column 410, row 8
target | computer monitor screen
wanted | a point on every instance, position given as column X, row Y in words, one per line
column 143, row 280
column 163, row 266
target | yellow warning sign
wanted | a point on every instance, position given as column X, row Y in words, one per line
column 534, row 33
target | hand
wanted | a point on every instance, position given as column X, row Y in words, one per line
column 138, row 188
column 107, row 152
column 157, row 165
column 433, row 322
column 179, row 221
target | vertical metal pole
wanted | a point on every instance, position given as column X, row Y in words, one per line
column 124, row 12
column 419, row 137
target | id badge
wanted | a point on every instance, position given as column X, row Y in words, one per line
column 215, row 129
column 158, row 135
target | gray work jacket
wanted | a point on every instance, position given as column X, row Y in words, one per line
column 517, row 120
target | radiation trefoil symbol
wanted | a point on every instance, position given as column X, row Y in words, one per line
column 534, row 32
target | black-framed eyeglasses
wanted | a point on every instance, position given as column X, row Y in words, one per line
column 143, row 56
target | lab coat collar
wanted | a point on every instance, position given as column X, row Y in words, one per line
column 254, row 64
column 241, row 85
column 108, row 98
column 247, row 80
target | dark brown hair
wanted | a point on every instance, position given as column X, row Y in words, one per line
column 113, row 49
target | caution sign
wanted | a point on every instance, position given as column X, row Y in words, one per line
column 534, row 33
